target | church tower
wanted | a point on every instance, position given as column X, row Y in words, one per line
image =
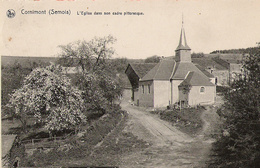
column 183, row 51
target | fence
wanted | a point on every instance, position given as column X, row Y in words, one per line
column 44, row 142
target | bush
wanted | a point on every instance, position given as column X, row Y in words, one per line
column 222, row 89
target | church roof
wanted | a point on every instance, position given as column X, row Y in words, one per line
column 182, row 68
column 162, row 71
column 209, row 75
column 196, row 79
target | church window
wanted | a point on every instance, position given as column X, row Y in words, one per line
column 202, row 89
column 149, row 88
column 143, row 89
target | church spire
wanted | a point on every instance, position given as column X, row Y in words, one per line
column 183, row 51
column 183, row 42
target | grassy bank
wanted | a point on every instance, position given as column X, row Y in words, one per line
column 187, row 120
column 103, row 144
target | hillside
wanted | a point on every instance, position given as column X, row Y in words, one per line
column 25, row 61
column 235, row 51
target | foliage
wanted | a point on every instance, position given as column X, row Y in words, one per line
column 222, row 89
column 119, row 64
column 239, row 143
column 48, row 95
column 87, row 54
column 12, row 78
column 197, row 55
column 236, row 51
column 153, row 59
column 98, row 75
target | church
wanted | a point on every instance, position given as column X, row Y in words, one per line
column 172, row 81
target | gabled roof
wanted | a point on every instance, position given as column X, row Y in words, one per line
column 182, row 68
column 206, row 62
column 196, row 79
column 162, row 71
column 141, row 69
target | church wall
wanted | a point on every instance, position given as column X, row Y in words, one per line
column 146, row 95
column 175, row 90
column 162, row 90
column 197, row 97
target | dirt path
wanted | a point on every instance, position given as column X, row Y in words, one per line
column 170, row 147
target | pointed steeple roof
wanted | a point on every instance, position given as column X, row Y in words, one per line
column 183, row 43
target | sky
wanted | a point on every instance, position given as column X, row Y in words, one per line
column 209, row 25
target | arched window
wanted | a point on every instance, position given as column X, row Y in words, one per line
column 202, row 89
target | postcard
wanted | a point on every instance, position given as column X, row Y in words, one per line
column 130, row 83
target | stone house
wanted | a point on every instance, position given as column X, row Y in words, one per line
column 224, row 67
column 234, row 67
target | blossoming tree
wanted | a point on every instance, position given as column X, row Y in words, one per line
column 47, row 94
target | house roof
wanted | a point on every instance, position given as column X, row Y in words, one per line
column 141, row 69
column 7, row 143
column 196, row 79
column 162, row 71
column 206, row 63
column 182, row 68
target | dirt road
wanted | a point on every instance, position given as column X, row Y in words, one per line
column 170, row 147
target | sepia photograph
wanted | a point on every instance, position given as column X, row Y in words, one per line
column 130, row 83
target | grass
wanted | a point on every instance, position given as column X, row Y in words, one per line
column 187, row 120
column 103, row 144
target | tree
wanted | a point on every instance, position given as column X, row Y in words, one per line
column 153, row 59
column 98, row 76
column 87, row 55
column 239, row 143
column 197, row 55
column 48, row 95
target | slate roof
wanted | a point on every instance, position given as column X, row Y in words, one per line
column 182, row 68
column 162, row 71
column 7, row 143
column 183, row 42
column 209, row 75
column 196, row 79
column 141, row 69
column 208, row 62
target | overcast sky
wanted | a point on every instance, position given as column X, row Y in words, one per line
column 209, row 25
